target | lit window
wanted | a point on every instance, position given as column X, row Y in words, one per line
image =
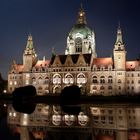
column 56, row 79
column 27, row 75
column 15, row 82
column 25, row 115
column 82, row 119
column 81, row 79
column 69, row 119
column 69, row 79
column 56, row 119
column 10, row 114
column 27, row 82
column 10, row 83
column 14, row 114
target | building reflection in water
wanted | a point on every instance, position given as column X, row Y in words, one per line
column 100, row 122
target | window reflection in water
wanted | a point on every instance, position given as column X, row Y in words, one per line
column 95, row 123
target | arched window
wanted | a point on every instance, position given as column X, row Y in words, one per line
column 69, row 119
column 46, row 90
column 94, row 80
column 102, row 79
column 94, row 88
column 81, row 79
column 57, row 89
column 110, row 79
column 102, row 88
column 56, row 79
column 110, row 87
column 78, row 45
column 119, row 81
column 56, row 120
column 46, row 80
column 69, row 79
column 40, row 81
column 40, row 91
column 33, row 81
column 82, row 119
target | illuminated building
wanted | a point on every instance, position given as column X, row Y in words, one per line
column 80, row 66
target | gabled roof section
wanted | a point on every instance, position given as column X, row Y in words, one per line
column 103, row 61
column 81, row 60
column 56, row 60
column 87, row 58
column 62, row 58
column 16, row 68
column 42, row 63
column 75, row 58
column 68, row 60
column 19, row 68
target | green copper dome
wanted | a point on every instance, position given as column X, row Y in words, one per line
column 81, row 29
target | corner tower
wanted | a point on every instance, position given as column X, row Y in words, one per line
column 29, row 55
column 81, row 38
column 119, row 52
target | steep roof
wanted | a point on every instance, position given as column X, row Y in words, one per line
column 74, row 57
column 42, row 63
column 103, row 61
column 131, row 65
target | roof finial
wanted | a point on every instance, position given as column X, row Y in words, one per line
column 29, row 42
column 29, row 37
column 119, row 34
column 81, row 16
column 53, row 52
column 119, row 25
column 81, row 6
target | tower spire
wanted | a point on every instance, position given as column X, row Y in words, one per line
column 29, row 55
column 81, row 16
column 29, row 42
column 119, row 35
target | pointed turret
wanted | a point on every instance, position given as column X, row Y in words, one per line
column 119, row 36
column 53, row 52
column 29, row 55
column 29, row 42
column 81, row 16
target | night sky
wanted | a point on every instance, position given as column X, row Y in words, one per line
column 50, row 21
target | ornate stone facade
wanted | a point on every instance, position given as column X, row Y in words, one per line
column 79, row 66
